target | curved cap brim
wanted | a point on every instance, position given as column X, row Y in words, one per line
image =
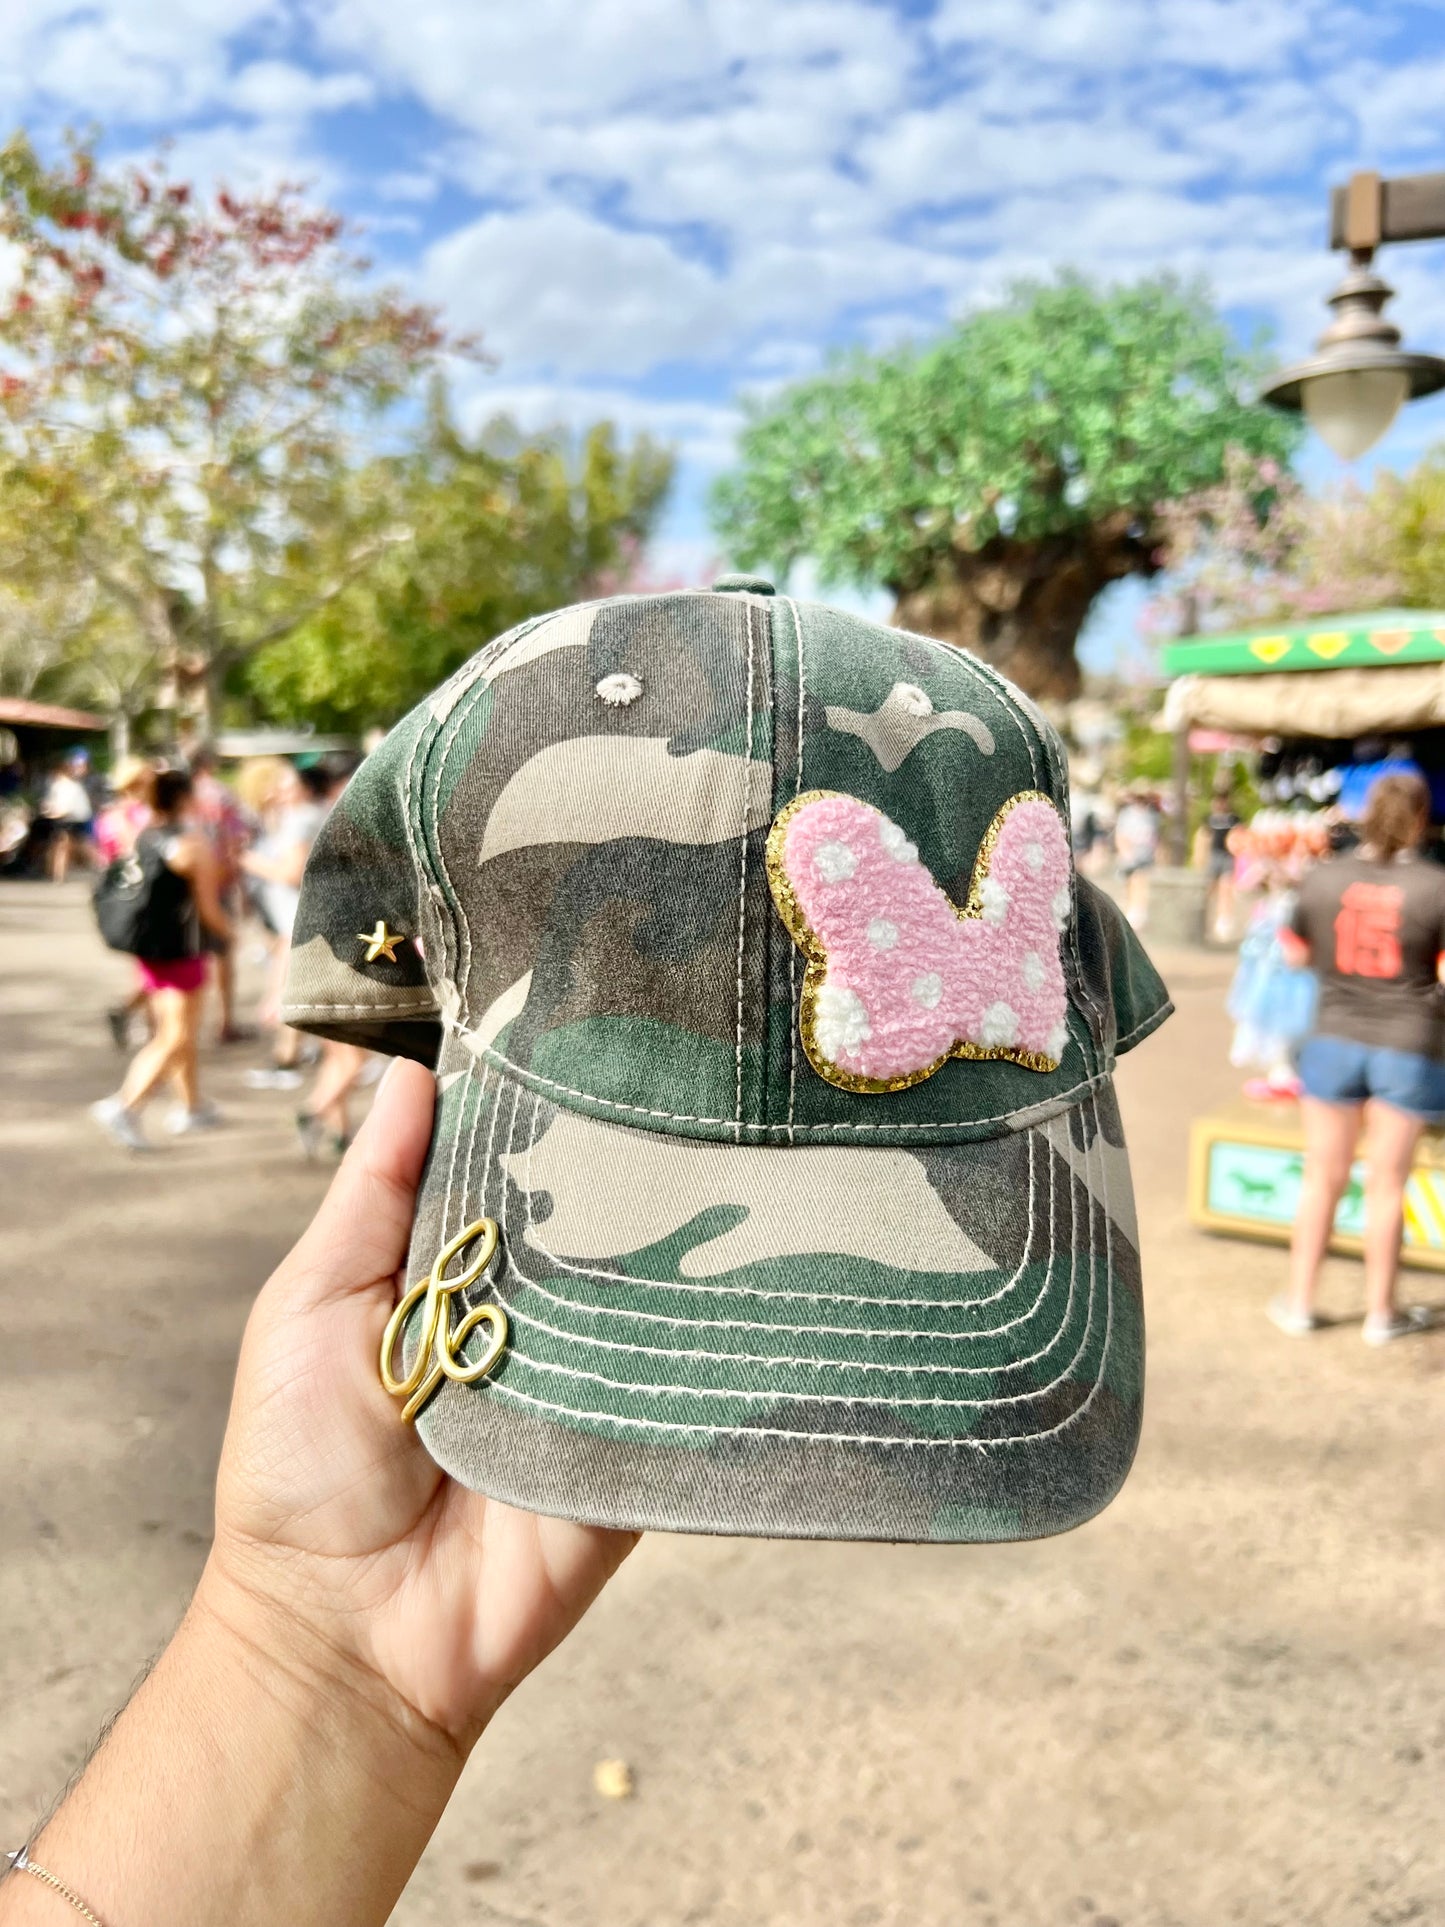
column 818, row 1342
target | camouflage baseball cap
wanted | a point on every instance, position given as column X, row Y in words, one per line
column 777, row 1183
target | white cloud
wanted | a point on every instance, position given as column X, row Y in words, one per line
column 279, row 90
column 1222, row 36
column 1399, row 109
column 125, row 60
column 557, row 289
column 727, row 187
column 406, row 185
column 703, row 431
column 258, row 156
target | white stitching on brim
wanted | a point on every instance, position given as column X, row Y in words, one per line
column 625, row 1422
column 427, row 1005
column 826, row 1398
column 1151, row 1022
column 723, row 1292
column 531, row 1079
column 880, row 1333
column 982, row 1446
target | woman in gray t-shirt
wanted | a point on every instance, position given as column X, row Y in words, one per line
column 1371, row 925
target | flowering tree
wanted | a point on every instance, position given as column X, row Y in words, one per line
column 1256, row 548
column 183, row 385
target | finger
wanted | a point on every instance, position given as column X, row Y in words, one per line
column 361, row 1232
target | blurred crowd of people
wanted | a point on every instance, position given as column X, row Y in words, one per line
column 209, row 865
column 1123, row 830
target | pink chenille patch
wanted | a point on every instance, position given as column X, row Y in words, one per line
column 899, row 977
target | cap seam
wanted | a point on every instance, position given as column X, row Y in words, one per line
column 532, row 1077
column 746, row 787
column 502, row 647
column 794, row 1006
column 410, row 831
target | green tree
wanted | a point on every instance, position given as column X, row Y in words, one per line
column 183, row 390
column 1409, row 513
column 501, row 527
column 997, row 479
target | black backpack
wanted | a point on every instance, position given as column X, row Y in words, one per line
column 144, row 908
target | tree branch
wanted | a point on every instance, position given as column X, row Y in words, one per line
column 355, row 566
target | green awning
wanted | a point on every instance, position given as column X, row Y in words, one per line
column 1375, row 641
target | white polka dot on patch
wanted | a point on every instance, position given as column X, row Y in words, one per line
column 927, row 989
column 1057, row 1041
column 834, row 862
column 882, row 934
column 1034, row 856
column 840, row 1021
column 1032, row 970
column 1000, row 1026
column 1059, row 906
column 995, row 899
column 896, row 843
column 619, row 690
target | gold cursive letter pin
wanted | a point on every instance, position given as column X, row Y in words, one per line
column 439, row 1352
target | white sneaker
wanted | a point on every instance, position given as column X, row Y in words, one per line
column 122, row 1126
column 1284, row 1316
column 181, row 1122
column 275, row 1077
column 1397, row 1324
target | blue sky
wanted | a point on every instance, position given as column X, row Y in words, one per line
column 650, row 207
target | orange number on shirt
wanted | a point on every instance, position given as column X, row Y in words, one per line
column 1367, row 931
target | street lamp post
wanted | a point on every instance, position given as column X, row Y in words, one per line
column 1359, row 376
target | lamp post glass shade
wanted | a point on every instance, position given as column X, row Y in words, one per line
column 1359, row 376
column 1352, row 409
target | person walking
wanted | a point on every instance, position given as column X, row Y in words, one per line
column 325, row 1117
column 275, row 864
column 182, row 901
column 1214, row 853
column 1136, row 849
column 218, row 817
column 116, row 829
column 68, row 808
column 1372, row 926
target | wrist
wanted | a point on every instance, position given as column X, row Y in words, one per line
column 258, row 1775
column 317, row 1681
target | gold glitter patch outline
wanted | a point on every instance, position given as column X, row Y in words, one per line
column 795, row 921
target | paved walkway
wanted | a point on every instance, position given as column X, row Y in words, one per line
column 1219, row 1703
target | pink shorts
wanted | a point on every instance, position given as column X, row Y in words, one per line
column 184, row 973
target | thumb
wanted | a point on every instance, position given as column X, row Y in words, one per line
column 360, row 1234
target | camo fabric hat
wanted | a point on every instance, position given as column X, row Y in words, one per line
column 777, row 1183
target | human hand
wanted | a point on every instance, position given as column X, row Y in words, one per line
column 334, row 1528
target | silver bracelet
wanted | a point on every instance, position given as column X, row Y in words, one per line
column 20, row 1862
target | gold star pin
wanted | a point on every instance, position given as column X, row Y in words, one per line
column 380, row 942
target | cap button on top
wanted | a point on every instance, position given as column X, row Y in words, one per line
column 743, row 585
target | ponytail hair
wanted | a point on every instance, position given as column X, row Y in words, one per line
column 1396, row 810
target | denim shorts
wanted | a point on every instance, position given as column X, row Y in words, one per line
column 1336, row 1071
